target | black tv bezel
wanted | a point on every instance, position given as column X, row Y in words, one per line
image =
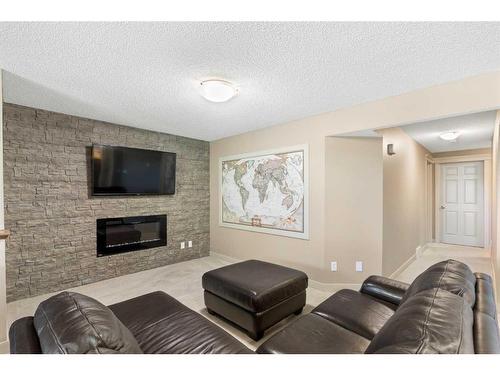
column 94, row 194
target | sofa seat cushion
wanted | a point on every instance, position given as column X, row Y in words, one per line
column 71, row 323
column 312, row 334
column 356, row 312
column 161, row 324
column 254, row 285
column 450, row 275
column 434, row 321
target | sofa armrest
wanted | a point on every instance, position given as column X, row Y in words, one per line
column 23, row 337
column 385, row 289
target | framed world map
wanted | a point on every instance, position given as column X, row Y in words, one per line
column 266, row 191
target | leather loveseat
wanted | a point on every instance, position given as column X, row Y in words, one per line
column 152, row 323
column 447, row 309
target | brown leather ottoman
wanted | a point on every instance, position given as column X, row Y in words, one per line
column 254, row 295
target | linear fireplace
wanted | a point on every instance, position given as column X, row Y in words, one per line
column 123, row 234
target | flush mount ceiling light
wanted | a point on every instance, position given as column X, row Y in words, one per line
column 449, row 136
column 217, row 90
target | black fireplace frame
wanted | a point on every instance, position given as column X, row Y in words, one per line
column 102, row 224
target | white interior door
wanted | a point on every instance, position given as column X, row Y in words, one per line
column 462, row 203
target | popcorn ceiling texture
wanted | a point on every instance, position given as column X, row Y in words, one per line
column 147, row 74
column 52, row 217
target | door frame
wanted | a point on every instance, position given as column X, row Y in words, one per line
column 487, row 186
column 429, row 199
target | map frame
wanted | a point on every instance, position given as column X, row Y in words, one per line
column 304, row 234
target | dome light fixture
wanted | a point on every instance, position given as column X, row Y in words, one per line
column 449, row 136
column 217, row 90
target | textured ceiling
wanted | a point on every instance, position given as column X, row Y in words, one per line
column 145, row 74
column 476, row 131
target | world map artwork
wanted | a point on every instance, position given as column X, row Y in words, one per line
column 264, row 192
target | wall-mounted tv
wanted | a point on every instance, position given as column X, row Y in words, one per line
column 131, row 171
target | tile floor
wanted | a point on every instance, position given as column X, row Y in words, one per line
column 183, row 281
column 478, row 259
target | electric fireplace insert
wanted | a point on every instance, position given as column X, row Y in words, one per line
column 124, row 234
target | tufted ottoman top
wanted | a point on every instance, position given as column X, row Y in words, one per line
column 255, row 285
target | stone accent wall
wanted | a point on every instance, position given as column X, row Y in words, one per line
column 52, row 216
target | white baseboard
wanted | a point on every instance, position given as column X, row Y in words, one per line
column 405, row 265
column 225, row 257
column 332, row 287
column 421, row 249
column 4, row 347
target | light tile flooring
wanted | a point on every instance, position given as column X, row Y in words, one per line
column 478, row 259
column 183, row 281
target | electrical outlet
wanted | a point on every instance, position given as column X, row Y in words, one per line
column 190, row 243
column 333, row 266
column 359, row 266
column 183, row 245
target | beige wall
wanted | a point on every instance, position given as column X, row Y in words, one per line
column 495, row 202
column 3, row 298
column 475, row 94
column 404, row 228
column 307, row 255
column 353, row 215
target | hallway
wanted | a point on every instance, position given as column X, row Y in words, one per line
column 478, row 259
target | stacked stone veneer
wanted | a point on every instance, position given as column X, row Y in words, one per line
column 52, row 216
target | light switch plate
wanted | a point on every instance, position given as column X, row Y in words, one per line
column 183, row 245
column 359, row 266
column 333, row 266
column 190, row 243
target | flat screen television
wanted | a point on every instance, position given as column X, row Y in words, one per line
column 131, row 171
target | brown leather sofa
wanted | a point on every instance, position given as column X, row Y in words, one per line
column 447, row 309
column 153, row 323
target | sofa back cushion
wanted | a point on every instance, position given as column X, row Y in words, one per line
column 450, row 275
column 71, row 323
column 433, row 321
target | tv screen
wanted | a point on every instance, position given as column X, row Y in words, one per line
column 132, row 171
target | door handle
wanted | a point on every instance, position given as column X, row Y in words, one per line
column 442, row 207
